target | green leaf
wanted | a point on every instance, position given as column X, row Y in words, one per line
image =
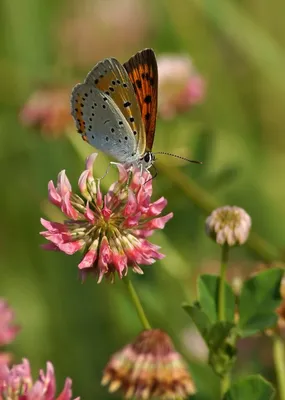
column 260, row 296
column 220, row 338
column 221, row 341
column 251, row 388
column 199, row 318
column 208, row 286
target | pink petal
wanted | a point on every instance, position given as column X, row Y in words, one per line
column 53, row 195
column 90, row 161
column 37, row 392
column 57, row 238
column 157, row 223
column 131, row 205
column 150, row 250
column 89, row 215
column 67, row 208
column 137, row 180
column 131, row 221
column 99, row 197
column 123, row 174
column 106, row 212
column 49, row 247
column 156, row 207
column 49, row 382
column 148, row 183
column 67, row 392
column 71, row 247
column 53, row 226
column 142, row 233
column 143, row 200
column 82, row 184
column 120, row 263
column 63, row 184
column 105, row 258
column 88, row 260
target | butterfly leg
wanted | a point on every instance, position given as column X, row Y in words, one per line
column 107, row 170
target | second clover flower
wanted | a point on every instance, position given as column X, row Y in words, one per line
column 111, row 229
column 228, row 225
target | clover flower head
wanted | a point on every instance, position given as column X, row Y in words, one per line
column 16, row 383
column 111, row 229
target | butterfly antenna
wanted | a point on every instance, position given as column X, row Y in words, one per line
column 176, row 156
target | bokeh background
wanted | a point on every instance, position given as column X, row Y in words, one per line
column 237, row 131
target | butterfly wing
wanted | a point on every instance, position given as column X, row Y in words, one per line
column 142, row 70
column 102, row 124
column 111, row 77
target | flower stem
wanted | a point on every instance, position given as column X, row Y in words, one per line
column 221, row 298
column 225, row 380
column 279, row 361
column 137, row 303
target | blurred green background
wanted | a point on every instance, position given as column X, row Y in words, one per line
column 238, row 133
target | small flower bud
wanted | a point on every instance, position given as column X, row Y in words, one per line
column 229, row 225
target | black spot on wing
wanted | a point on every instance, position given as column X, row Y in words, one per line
column 139, row 83
column 147, row 99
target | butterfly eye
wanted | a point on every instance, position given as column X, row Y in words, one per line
column 147, row 157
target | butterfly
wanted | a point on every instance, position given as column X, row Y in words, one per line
column 115, row 108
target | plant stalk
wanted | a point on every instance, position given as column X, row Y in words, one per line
column 225, row 380
column 221, row 298
column 279, row 361
column 137, row 303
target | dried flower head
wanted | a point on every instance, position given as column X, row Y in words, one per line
column 48, row 109
column 180, row 86
column 16, row 383
column 8, row 330
column 111, row 229
column 149, row 367
column 229, row 224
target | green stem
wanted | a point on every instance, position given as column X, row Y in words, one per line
column 225, row 380
column 279, row 361
column 221, row 298
column 137, row 303
column 224, row 385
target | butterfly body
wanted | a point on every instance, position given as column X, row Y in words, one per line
column 112, row 108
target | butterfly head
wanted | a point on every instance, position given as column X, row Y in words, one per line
column 147, row 159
